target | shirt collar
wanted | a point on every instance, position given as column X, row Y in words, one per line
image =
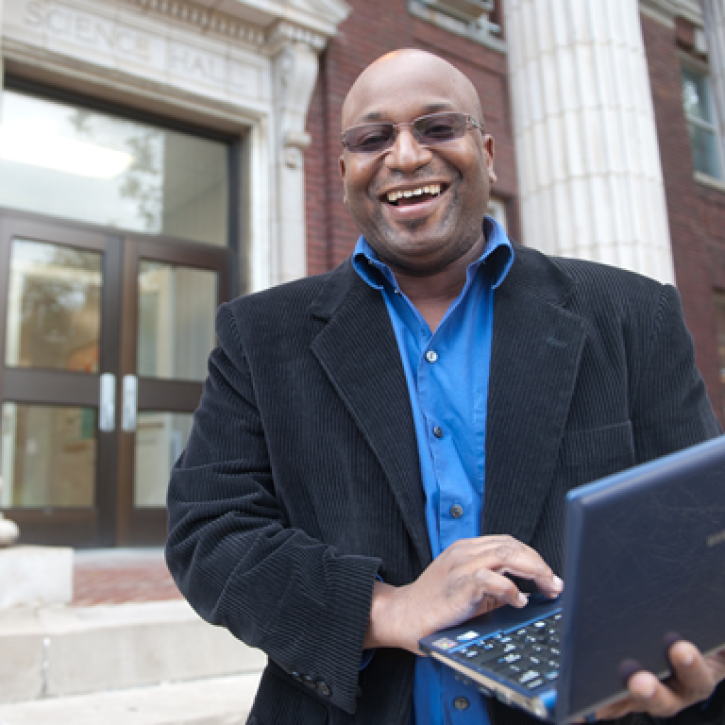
column 498, row 255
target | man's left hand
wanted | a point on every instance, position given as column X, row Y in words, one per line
column 694, row 679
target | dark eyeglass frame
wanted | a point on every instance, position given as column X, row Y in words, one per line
column 392, row 129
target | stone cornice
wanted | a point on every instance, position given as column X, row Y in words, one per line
column 208, row 21
column 307, row 21
column 283, row 32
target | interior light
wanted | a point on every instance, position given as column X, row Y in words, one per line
column 62, row 154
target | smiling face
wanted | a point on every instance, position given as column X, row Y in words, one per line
column 428, row 229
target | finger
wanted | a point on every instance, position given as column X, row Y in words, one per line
column 693, row 679
column 488, row 604
column 502, row 589
column 650, row 695
column 507, row 555
column 663, row 699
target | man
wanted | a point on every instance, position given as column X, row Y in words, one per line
column 379, row 447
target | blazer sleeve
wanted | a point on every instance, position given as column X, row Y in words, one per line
column 670, row 408
column 672, row 411
column 238, row 562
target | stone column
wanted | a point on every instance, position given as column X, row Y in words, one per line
column 295, row 74
column 590, row 177
column 714, row 22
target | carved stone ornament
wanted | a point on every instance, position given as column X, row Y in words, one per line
column 296, row 73
column 9, row 530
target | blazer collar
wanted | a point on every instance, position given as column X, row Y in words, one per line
column 358, row 352
column 536, row 350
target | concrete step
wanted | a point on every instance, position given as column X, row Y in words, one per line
column 218, row 701
column 62, row 651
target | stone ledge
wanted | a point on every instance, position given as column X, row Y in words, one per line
column 63, row 651
column 35, row 576
column 219, row 701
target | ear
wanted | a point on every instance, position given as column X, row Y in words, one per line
column 342, row 176
column 489, row 150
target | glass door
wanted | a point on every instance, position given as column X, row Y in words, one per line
column 59, row 347
column 170, row 297
column 104, row 342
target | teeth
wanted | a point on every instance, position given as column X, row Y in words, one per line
column 433, row 189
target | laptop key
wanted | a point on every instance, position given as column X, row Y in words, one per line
column 510, row 658
column 533, row 684
column 528, row 676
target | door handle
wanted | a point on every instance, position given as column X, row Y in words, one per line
column 107, row 404
column 130, row 402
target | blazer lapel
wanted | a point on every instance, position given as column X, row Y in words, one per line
column 359, row 353
column 535, row 356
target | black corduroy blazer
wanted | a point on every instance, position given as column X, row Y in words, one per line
column 301, row 483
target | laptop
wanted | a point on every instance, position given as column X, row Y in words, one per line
column 644, row 565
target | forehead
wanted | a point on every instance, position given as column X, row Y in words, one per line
column 399, row 88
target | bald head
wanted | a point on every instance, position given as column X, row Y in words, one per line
column 389, row 75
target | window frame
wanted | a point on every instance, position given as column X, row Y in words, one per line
column 234, row 143
column 702, row 68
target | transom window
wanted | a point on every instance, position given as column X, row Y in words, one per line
column 64, row 160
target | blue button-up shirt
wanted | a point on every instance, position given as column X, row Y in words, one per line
column 447, row 372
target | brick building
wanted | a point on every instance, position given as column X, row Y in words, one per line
column 160, row 156
column 603, row 37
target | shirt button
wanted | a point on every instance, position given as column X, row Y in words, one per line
column 461, row 703
column 323, row 689
column 431, row 356
column 438, row 432
column 456, row 511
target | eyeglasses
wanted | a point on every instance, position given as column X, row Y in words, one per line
column 372, row 138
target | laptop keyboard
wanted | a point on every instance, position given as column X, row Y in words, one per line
column 527, row 655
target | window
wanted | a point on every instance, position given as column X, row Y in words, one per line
column 69, row 161
column 473, row 19
column 704, row 140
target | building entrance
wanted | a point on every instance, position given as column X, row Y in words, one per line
column 104, row 338
column 116, row 246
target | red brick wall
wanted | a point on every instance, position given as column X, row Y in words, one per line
column 376, row 27
column 696, row 214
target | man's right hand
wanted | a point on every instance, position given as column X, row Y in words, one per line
column 466, row 580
